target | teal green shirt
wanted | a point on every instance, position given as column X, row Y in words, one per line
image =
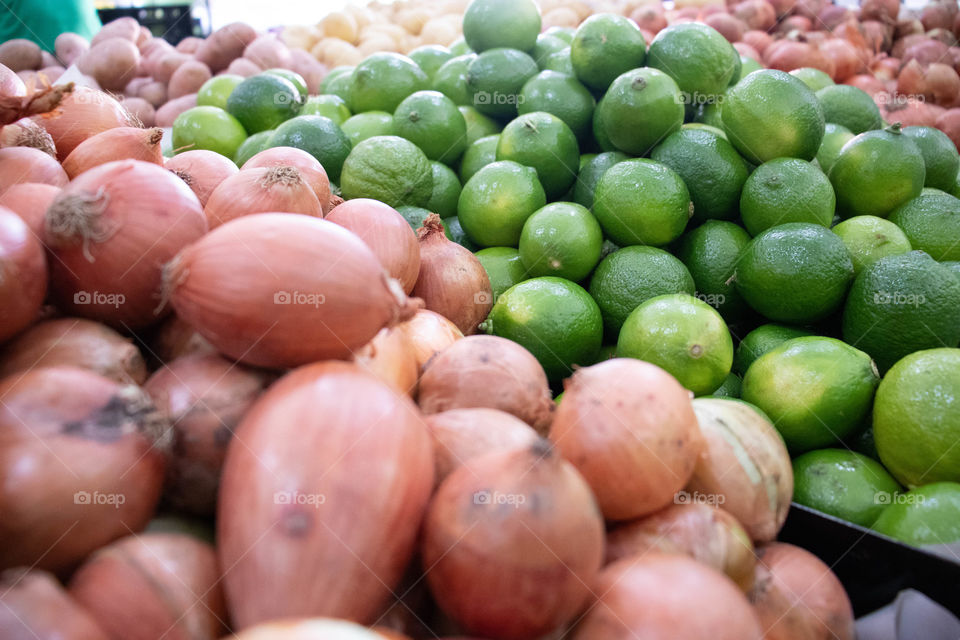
column 42, row 21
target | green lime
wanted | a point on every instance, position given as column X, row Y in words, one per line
column 600, row 131
column 730, row 388
column 446, row 190
column 710, row 167
column 367, row 125
column 328, row 106
column 564, row 33
column 559, row 61
column 251, row 146
column 542, row 141
column 796, row 272
column 478, row 125
column 332, row 75
column 816, row 390
column 955, row 189
column 430, row 57
column 642, row 202
column 389, row 169
column 682, row 335
column 924, row 516
column 764, row 338
column 208, row 128
column 876, row 172
column 503, row 266
column 953, row 265
column 747, row 66
column 710, row 253
column 318, row 136
column 699, row 126
column 709, row 114
column 561, row 239
column 630, row 276
column 295, row 79
column 495, row 78
column 901, row 304
column 546, row 46
column 561, row 95
column 842, row 483
column 604, row 46
column 263, row 102
column 834, row 137
column 771, row 114
column 590, row 173
column 940, row 156
column 695, row 55
column 383, row 80
column 554, row 319
column 815, row 79
column 216, row 90
column 849, row 106
column 479, row 154
column 451, row 79
column 869, row 238
column 497, row 200
column 454, row 231
column 431, row 121
column 415, row 215
column 488, row 24
column 640, row 109
column 786, row 190
column 863, row 443
column 915, row 419
column 340, row 86
column 459, row 47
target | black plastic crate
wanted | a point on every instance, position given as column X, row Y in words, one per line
column 172, row 22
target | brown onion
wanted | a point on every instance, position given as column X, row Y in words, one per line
column 833, row 15
column 744, row 466
column 387, row 234
column 74, row 342
column 82, row 464
column 758, row 14
column 204, row 396
column 882, row 10
column 460, row 435
column 729, row 27
column 629, row 427
column 452, row 281
column 23, row 274
column 911, row 111
column 244, row 287
column 69, row 47
column 938, row 82
column 649, row 17
column 787, row 56
column 925, row 52
column 34, row 606
column 309, row 629
column 487, row 372
column 224, row 45
column 795, row 24
column 798, row 597
column 111, row 230
column 390, row 358
column 667, row 596
column 867, row 83
column 202, row 170
column 27, row 133
column 885, row 68
column 261, row 190
column 948, row 122
column 908, row 27
column 500, row 561
column 26, row 164
column 309, row 167
column 153, row 585
column 175, row 339
column 701, row 531
column 900, row 46
column 746, row 50
column 322, row 495
column 847, row 59
column 119, row 143
column 937, row 15
column 30, row 201
column 82, row 113
column 759, row 40
column 877, row 35
column 429, row 333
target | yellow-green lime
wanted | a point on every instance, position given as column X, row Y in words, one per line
column 747, row 66
column 786, row 190
column 263, row 102
column 600, row 131
column 561, row 95
column 497, row 200
column 430, row 57
column 559, row 61
column 695, row 55
column 251, row 146
column 771, row 114
column 216, row 90
column 365, row 125
column 451, row 79
column 953, row 265
column 940, row 156
column 503, row 266
column 561, row 239
column 495, row 78
column 630, row 276
column 478, row 125
column 816, row 390
column 479, row 154
column 389, row 169
column 209, row 128
column 318, row 136
column 844, row 484
column 446, row 191
column 454, row 231
column 640, row 109
column 796, row 273
column 339, row 85
column 729, row 388
column 564, row 33
column 924, row 516
column 488, row 24
column 710, row 253
column 699, row 126
column 764, row 338
column 604, row 46
column 709, row 114
column 542, row 141
column 431, row 121
column 710, row 167
column 382, row 80
column 682, row 335
column 849, row 106
column 815, row 79
column 554, row 319
column 916, row 424
column 869, row 238
column 590, row 173
column 955, row 189
column 901, row 304
column 295, row 79
column 332, row 75
column 459, row 47
column 328, row 106
column 834, row 137
column 546, row 46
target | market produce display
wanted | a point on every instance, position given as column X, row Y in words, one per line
column 480, row 319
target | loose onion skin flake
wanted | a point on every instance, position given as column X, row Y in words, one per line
column 82, row 113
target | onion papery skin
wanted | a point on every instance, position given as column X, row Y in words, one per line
column 36, row 607
column 110, row 231
column 23, row 275
column 119, row 143
column 26, row 164
column 244, row 287
column 261, row 190
column 310, row 169
column 82, row 113
column 429, row 333
column 82, row 460
column 390, row 358
column 27, row 133
column 30, row 201
column 202, row 170
column 322, row 495
column 174, row 339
